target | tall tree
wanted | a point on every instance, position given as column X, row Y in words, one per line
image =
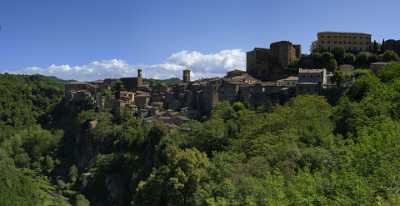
column 176, row 181
column 339, row 54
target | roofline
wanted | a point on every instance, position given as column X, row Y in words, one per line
column 338, row 32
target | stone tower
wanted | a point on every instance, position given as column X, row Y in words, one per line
column 272, row 64
column 139, row 73
column 186, row 76
column 139, row 80
column 285, row 52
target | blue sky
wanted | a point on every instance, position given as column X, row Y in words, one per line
column 112, row 38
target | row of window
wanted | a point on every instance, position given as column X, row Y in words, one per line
column 310, row 76
column 349, row 48
column 344, row 37
column 344, row 42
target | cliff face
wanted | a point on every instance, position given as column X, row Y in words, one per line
column 112, row 158
column 87, row 150
column 99, row 184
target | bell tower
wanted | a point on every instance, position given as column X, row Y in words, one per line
column 186, row 75
column 139, row 80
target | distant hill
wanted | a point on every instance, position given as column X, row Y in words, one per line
column 163, row 81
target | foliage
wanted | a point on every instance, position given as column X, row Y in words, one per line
column 304, row 152
column 339, row 54
column 24, row 99
column 390, row 55
column 331, row 65
column 166, row 82
column 21, row 187
column 349, row 58
column 176, row 181
column 390, row 73
column 363, row 59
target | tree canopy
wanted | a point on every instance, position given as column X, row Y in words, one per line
column 307, row 151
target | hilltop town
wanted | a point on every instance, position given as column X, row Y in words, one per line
column 272, row 76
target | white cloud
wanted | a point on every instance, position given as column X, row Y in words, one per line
column 202, row 65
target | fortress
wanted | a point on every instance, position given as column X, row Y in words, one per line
column 273, row 63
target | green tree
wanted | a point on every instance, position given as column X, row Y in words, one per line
column 362, row 59
column 176, row 181
column 390, row 55
column 238, row 106
column 328, row 61
column 331, row 65
column 20, row 187
column 390, row 72
column 317, row 59
column 339, row 54
column 80, row 200
column 338, row 78
column 349, row 58
column 326, row 57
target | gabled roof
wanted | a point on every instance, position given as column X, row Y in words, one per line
column 240, row 78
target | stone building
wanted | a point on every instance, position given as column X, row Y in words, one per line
column 124, row 100
column 235, row 72
column 286, row 52
column 290, row 81
column 272, row 64
column 376, row 67
column 312, row 75
column 311, row 81
column 79, row 90
column 142, row 99
column 350, row 41
column 107, row 83
column 125, row 96
column 132, row 83
column 232, row 83
column 263, row 93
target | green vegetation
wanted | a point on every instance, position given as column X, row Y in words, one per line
column 26, row 149
column 331, row 59
column 305, row 152
column 166, row 82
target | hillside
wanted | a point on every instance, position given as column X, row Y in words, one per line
column 305, row 152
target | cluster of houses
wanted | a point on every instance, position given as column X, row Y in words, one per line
column 173, row 104
column 267, row 80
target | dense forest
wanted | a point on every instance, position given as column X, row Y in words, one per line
column 309, row 151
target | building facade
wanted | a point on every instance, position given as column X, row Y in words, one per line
column 377, row 67
column 311, row 81
column 350, row 41
column 285, row 52
column 272, row 64
column 132, row 83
